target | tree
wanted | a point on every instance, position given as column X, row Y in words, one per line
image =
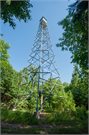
column 75, row 35
column 9, row 76
column 79, row 87
column 4, row 53
column 65, row 84
column 19, row 9
column 9, row 83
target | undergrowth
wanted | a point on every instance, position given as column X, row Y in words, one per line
column 18, row 117
column 70, row 122
column 79, row 113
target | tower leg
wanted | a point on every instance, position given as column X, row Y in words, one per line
column 41, row 103
column 37, row 114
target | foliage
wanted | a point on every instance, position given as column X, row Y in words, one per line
column 19, row 9
column 4, row 53
column 79, row 87
column 7, row 82
column 77, row 9
column 14, row 87
column 9, row 76
column 75, row 35
column 66, row 120
column 81, row 112
column 58, row 117
column 19, row 117
column 65, row 84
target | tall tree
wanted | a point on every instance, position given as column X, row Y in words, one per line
column 79, row 87
column 19, row 9
column 9, row 77
column 75, row 35
column 4, row 53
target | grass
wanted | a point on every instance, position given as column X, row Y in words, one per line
column 18, row 117
column 69, row 124
column 64, row 121
column 21, row 131
column 77, row 128
column 72, row 127
column 64, row 116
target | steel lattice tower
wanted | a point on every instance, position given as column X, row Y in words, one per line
column 42, row 66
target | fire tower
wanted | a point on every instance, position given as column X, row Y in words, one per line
column 41, row 68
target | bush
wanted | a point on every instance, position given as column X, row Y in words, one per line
column 81, row 112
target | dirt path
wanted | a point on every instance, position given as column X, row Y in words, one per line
column 44, row 127
column 17, row 128
column 21, row 126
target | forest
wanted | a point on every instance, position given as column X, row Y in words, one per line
column 67, row 115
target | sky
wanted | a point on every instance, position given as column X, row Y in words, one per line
column 21, row 39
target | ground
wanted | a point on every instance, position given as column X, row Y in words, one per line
column 73, row 127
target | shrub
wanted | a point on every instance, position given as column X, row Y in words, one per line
column 81, row 112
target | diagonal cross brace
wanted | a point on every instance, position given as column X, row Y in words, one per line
column 47, row 96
